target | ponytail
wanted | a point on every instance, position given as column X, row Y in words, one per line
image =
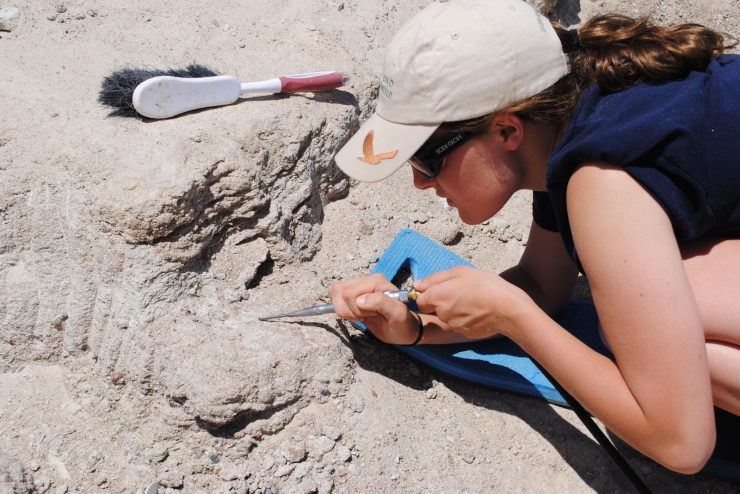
column 614, row 52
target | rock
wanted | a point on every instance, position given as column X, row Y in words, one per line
column 10, row 17
column 284, row 470
column 293, row 453
column 431, row 393
column 173, row 480
column 343, row 454
column 333, row 433
column 41, row 485
column 322, row 445
column 452, row 235
column 157, row 455
column 302, row 469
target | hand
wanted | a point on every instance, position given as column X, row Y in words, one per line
column 475, row 303
column 363, row 300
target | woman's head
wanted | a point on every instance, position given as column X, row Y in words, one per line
column 455, row 60
column 458, row 63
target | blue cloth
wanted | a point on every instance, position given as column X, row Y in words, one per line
column 501, row 364
column 498, row 363
column 680, row 140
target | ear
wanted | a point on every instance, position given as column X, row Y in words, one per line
column 508, row 129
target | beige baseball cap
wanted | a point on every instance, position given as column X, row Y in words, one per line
column 454, row 60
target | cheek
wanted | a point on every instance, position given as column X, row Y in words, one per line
column 480, row 193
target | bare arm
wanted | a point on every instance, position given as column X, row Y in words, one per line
column 545, row 271
column 657, row 395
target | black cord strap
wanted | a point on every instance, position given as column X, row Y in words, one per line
column 598, row 434
column 420, row 334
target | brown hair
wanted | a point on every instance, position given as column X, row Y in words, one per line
column 615, row 52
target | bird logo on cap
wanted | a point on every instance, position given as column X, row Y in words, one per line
column 369, row 154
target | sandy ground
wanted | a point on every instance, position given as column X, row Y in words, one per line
column 173, row 386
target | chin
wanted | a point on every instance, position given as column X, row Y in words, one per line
column 469, row 219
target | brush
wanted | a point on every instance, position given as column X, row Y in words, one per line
column 166, row 93
column 400, row 295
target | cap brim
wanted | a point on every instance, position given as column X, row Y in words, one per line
column 380, row 148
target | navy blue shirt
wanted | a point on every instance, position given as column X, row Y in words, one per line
column 680, row 140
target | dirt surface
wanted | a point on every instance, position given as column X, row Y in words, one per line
column 135, row 257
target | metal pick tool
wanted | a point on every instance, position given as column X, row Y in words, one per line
column 400, row 295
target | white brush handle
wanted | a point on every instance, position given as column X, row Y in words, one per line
column 167, row 96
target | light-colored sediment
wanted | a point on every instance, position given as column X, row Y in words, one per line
column 136, row 256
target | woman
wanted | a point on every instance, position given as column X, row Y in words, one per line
column 627, row 134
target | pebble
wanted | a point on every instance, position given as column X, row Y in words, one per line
column 62, row 489
column 418, row 218
column 173, row 480
column 61, row 8
column 331, row 432
column 10, row 17
column 301, row 470
column 452, row 236
column 343, row 454
column 284, row 470
column 365, row 228
column 157, row 455
column 58, row 322
column 293, row 453
column 323, row 445
column 117, row 378
column 431, row 393
column 325, row 485
column 42, row 484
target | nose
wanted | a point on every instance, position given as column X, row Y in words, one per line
column 421, row 181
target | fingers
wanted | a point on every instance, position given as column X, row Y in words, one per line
column 439, row 277
column 344, row 295
column 433, row 290
column 392, row 310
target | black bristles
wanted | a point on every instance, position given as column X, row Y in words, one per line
column 118, row 88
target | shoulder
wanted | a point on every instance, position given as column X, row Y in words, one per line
column 614, row 219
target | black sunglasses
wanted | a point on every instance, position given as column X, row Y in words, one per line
column 428, row 160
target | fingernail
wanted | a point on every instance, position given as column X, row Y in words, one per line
column 362, row 300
